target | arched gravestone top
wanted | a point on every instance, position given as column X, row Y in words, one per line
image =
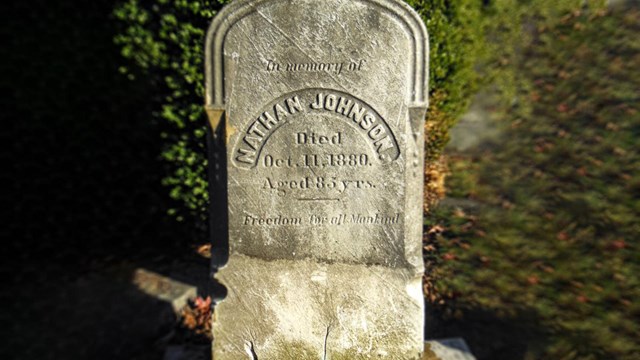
column 237, row 10
column 323, row 106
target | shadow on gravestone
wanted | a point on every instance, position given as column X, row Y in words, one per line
column 318, row 109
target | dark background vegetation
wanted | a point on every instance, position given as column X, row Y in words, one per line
column 84, row 193
column 107, row 171
column 539, row 258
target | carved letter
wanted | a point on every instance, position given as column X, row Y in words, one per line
column 246, row 156
column 254, row 130
column 377, row 132
column 267, row 120
column 281, row 113
column 252, row 141
column 383, row 144
column 344, row 106
column 318, row 104
column 331, row 102
column 357, row 113
column 294, row 105
column 367, row 122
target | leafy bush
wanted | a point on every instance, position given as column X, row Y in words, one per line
column 165, row 42
column 557, row 237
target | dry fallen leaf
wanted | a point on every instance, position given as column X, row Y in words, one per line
column 437, row 229
column 204, row 250
column 448, row 257
column 562, row 108
column 618, row 244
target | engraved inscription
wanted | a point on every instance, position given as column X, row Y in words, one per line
column 316, row 160
column 376, row 218
column 367, row 121
column 318, row 139
column 261, row 128
column 369, row 124
column 271, row 221
column 332, row 67
column 332, row 183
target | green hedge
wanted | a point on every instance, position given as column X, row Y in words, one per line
column 553, row 250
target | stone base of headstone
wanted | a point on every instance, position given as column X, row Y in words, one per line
column 447, row 349
column 305, row 312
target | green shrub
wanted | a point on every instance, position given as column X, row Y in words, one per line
column 557, row 237
column 164, row 40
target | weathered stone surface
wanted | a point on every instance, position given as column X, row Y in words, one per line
column 323, row 104
column 447, row 349
column 161, row 287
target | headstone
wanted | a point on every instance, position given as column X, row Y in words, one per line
column 323, row 106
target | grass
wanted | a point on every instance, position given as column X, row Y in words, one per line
column 547, row 266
